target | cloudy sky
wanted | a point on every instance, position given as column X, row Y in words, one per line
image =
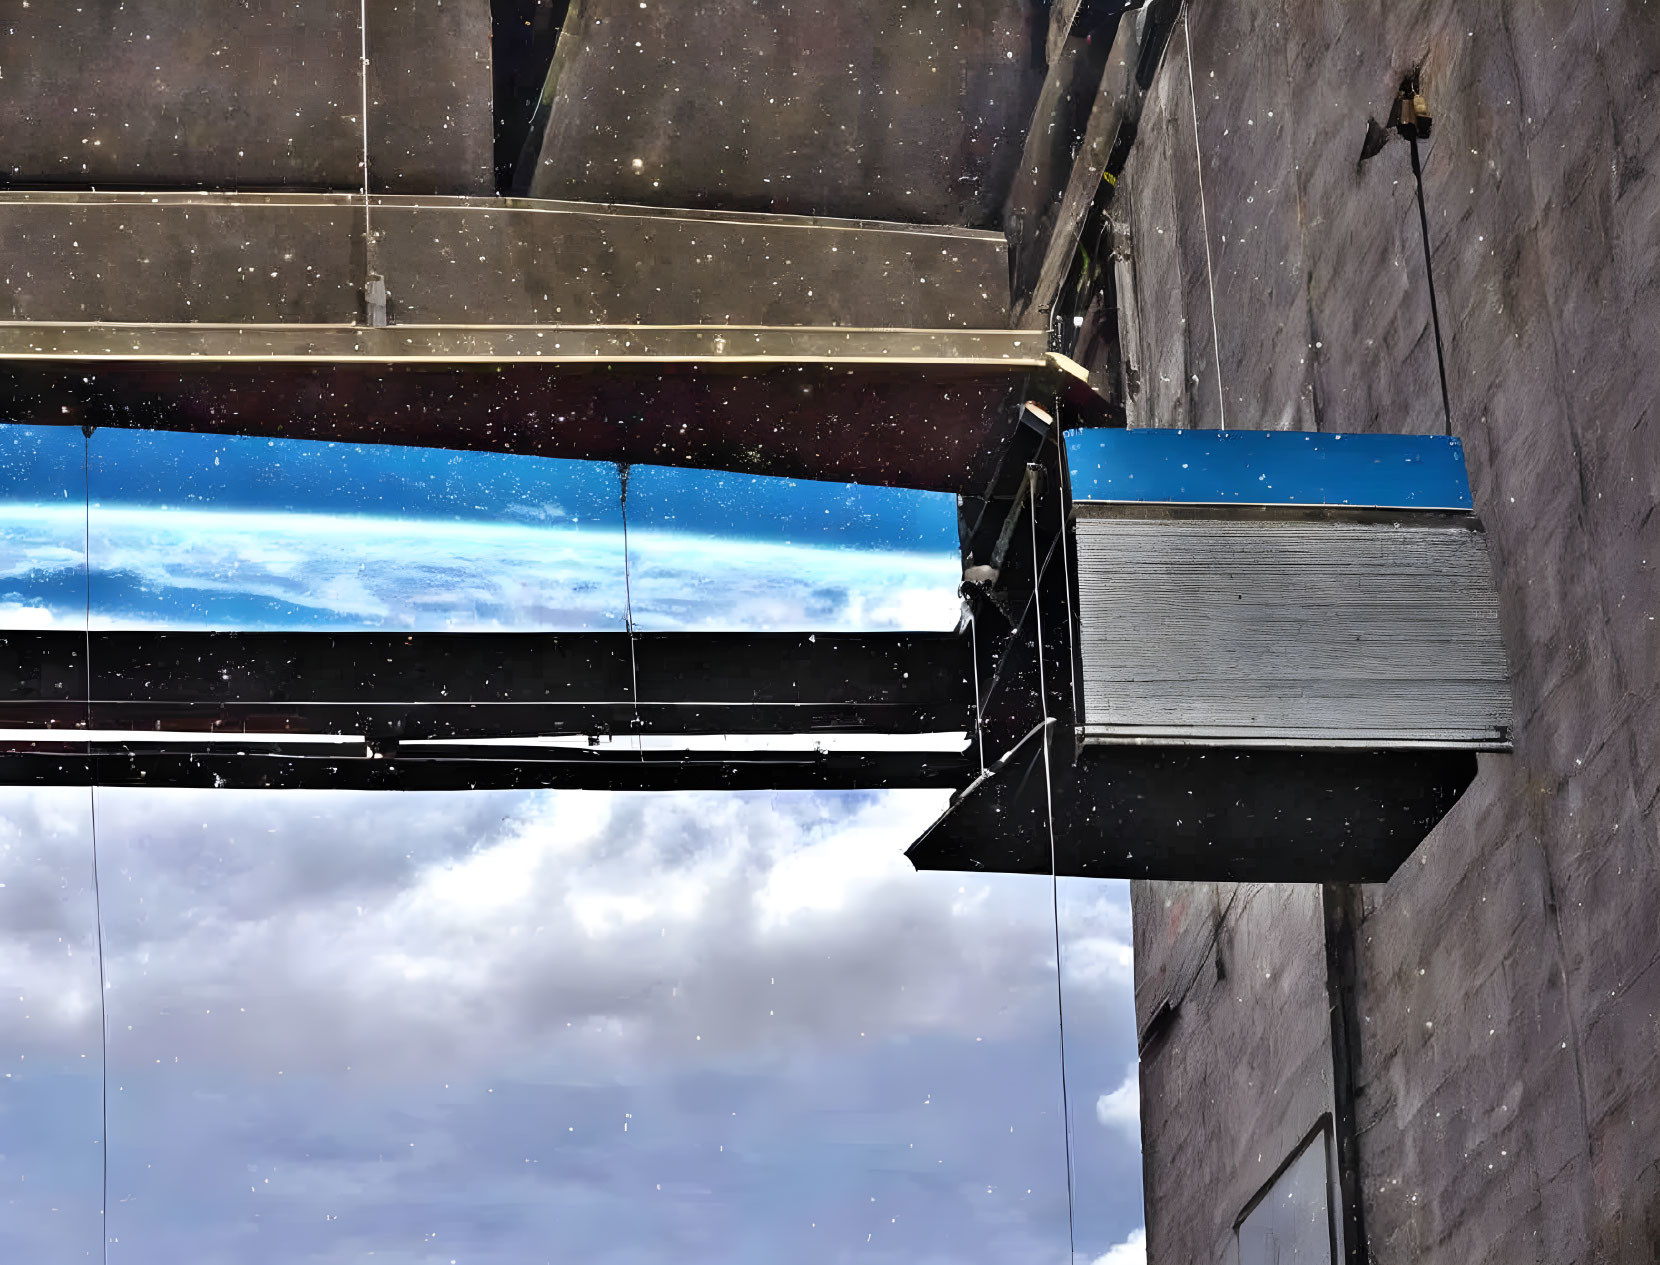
column 505, row 1027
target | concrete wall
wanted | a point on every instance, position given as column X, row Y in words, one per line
column 872, row 109
column 1226, row 1096
column 247, row 94
column 1509, row 975
column 298, row 258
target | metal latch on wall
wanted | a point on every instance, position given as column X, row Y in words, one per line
column 1412, row 117
column 1409, row 117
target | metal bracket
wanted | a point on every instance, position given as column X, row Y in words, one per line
column 988, row 573
column 374, row 300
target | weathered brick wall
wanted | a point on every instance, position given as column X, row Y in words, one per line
column 1510, row 974
column 1225, row 1095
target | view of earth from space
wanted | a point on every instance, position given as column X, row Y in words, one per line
column 223, row 569
column 504, row 1027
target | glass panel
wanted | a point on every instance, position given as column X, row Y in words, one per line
column 1292, row 1224
column 1102, row 1077
column 744, row 553
column 43, row 525
column 51, row 1133
column 230, row 532
column 571, row 1027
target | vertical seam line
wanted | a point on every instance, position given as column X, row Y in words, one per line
column 363, row 86
column 623, row 468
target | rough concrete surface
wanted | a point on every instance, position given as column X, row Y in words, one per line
column 297, row 258
column 1509, row 975
column 257, row 94
column 880, row 109
column 1226, row 1098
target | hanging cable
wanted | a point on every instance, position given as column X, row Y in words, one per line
column 1429, row 274
column 1033, row 473
column 1062, row 501
column 979, row 718
column 1016, row 622
column 363, row 120
column 1410, row 118
column 374, row 282
column 623, row 468
column 92, row 818
column 1006, row 656
column 1204, row 226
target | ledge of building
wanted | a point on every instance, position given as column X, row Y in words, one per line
column 294, row 258
column 1013, row 351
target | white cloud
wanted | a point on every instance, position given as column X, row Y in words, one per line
column 321, row 981
column 1132, row 1251
column 19, row 615
column 1121, row 1108
column 627, row 932
column 1095, row 936
column 48, row 951
column 311, row 982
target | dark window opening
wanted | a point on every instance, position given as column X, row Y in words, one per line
column 524, row 34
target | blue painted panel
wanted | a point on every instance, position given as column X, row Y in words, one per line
column 1259, row 467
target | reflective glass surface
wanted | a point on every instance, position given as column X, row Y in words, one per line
column 711, row 550
column 42, row 527
column 1291, row 1225
column 232, row 532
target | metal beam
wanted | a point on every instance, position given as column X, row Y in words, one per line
column 480, row 685
column 934, row 427
column 113, row 765
column 1044, row 263
column 1011, row 352
column 293, row 258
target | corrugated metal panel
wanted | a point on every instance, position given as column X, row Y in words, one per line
column 1289, row 631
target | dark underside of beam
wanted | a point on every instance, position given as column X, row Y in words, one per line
column 406, row 711
column 437, row 686
column 463, row 770
column 933, row 427
column 1220, row 814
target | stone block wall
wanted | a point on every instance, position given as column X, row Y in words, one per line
column 1509, row 975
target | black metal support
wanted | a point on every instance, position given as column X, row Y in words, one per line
column 113, row 764
column 1222, row 814
column 759, row 681
column 1341, row 904
column 400, row 698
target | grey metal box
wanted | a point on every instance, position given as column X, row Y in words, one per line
column 1287, row 626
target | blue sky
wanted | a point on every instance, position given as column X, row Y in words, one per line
column 506, row 1027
